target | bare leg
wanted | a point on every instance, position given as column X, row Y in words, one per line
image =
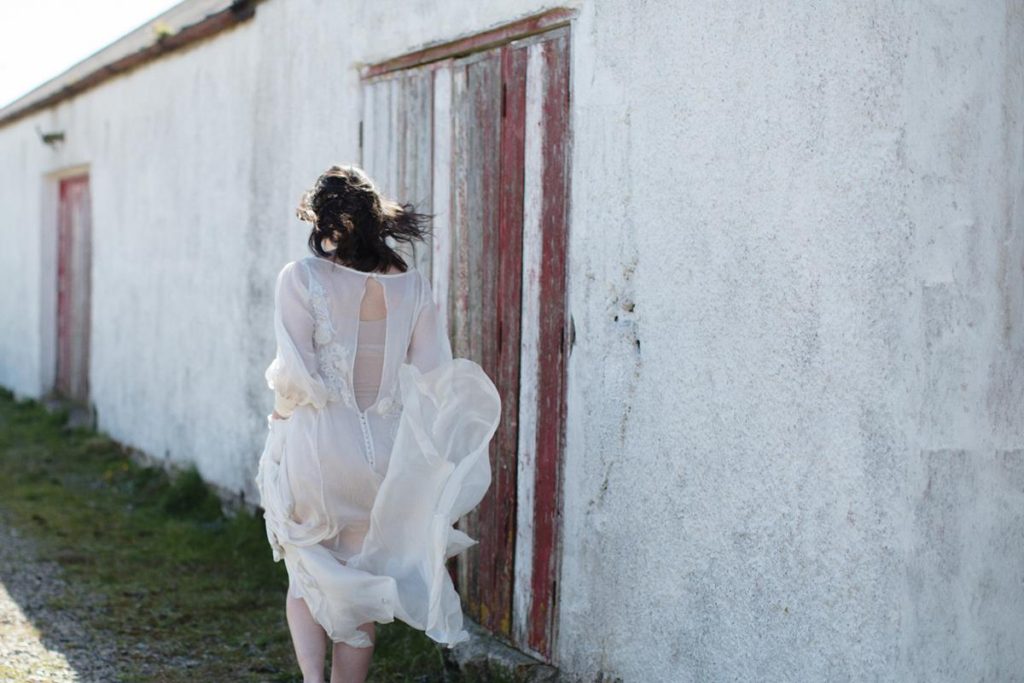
column 351, row 664
column 309, row 639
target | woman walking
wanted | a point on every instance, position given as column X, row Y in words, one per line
column 379, row 438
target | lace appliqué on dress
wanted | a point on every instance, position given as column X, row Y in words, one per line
column 389, row 407
column 334, row 360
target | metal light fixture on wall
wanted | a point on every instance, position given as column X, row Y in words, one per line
column 50, row 139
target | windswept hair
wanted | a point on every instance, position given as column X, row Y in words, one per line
column 346, row 208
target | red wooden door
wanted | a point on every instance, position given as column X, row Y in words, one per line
column 481, row 141
column 74, row 263
column 544, row 91
column 486, row 277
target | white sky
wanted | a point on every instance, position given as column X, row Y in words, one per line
column 41, row 38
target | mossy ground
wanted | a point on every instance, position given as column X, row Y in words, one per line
column 163, row 562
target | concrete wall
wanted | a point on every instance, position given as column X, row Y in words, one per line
column 798, row 391
column 170, row 156
column 795, row 426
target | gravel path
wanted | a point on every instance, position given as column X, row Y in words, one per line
column 39, row 640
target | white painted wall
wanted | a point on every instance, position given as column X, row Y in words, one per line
column 168, row 149
column 800, row 457
column 795, row 427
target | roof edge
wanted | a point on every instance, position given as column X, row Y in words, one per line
column 210, row 25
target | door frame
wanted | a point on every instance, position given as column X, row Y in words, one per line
column 499, row 35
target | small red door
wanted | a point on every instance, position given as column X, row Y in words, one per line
column 74, row 240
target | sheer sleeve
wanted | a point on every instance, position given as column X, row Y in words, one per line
column 293, row 373
column 429, row 346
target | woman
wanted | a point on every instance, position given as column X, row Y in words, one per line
column 379, row 437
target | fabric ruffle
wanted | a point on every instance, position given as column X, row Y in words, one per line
column 292, row 384
column 439, row 470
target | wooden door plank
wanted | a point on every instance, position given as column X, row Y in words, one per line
column 83, row 286
column 533, row 192
column 488, row 584
column 367, row 128
column 376, row 119
column 552, row 343
column 418, row 153
column 63, row 383
column 459, row 299
column 441, row 184
column 395, row 183
column 509, row 312
column 395, row 137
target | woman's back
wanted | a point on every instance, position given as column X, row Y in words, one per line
column 369, row 364
column 324, row 305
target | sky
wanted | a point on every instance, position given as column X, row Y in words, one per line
column 41, row 38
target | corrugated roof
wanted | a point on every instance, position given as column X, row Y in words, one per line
column 185, row 23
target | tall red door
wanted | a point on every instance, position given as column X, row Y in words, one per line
column 477, row 133
column 74, row 267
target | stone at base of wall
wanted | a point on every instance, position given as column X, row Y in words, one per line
column 484, row 658
column 79, row 415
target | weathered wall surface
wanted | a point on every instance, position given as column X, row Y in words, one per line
column 169, row 151
column 197, row 161
column 795, row 414
column 19, row 263
column 797, row 391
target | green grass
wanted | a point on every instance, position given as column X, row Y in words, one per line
column 166, row 565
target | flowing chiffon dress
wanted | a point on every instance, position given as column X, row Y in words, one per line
column 384, row 446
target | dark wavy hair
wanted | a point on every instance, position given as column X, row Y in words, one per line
column 346, row 208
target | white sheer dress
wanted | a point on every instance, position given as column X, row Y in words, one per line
column 384, row 447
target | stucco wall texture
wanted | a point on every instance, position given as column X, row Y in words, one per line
column 795, row 440
column 796, row 398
